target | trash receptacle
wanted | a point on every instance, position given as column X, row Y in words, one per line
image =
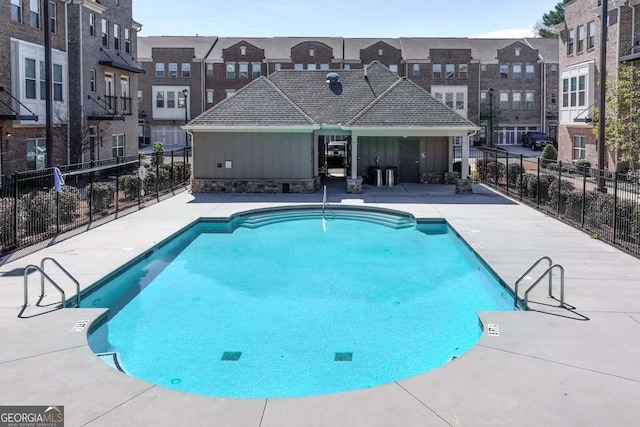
column 379, row 182
column 390, row 177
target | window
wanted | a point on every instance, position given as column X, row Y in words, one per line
column 554, row 98
column 160, row 70
column 30, row 78
column 528, row 100
column 34, row 13
column 437, row 71
column 243, row 50
column 463, row 71
column 298, row 67
column 116, row 36
column 591, row 35
column 243, row 71
column 117, row 145
column 582, row 81
column 312, row 52
column 209, row 96
column 173, row 69
column 448, row 99
column 380, row 52
column 504, row 71
column 517, row 71
column 57, row 82
column 36, row 153
column 186, row 69
column 230, row 92
column 16, row 10
column 570, row 39
column 324, row 66
column 160, row 99
column 256, row 70
column 517, row 51
column 231, row 70
column 554, row 69
column 483, row 71
column 450, row 71
column 416, row 70
column 43, row 86
column 579, row 147
column 529, row 72
column 124, row 95
column 459, row 101
column 504, row 100
column 52, row 17
column 181, row 99
column 580, row 44
column 92, row 24
column 127, row 40
column 311, row 66
column 139, row 96
column 92, row 80
column 209, row 70
column 277, row 67
column 574, row 91
column 171, row 99
column 516, row 100
column 347, row 66
column 105, row 33
column 393, row 68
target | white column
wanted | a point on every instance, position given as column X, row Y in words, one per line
column 354, row 157
column 451, row 153
column 464, row 172
column 314, row 150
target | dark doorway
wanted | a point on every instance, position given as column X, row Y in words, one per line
column 409, row 170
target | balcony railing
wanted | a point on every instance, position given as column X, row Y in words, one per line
column 111, row 101
column 126, row 105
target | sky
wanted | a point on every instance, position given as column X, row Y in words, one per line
column 347, row 18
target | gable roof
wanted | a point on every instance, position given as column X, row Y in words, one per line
column 370, row 97
column 201, row 45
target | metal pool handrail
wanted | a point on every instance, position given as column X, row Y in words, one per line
column 547, row 272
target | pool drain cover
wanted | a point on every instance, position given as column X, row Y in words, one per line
column 343, row 357
column 232, row 356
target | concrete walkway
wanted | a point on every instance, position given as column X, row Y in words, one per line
column 551, row 368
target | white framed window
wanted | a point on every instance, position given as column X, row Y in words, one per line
column 160, row 99
column 230, row 92
column 529, row 98
column 312, row 52
column 117, row 145
column 160, row 70
column 324, row 66
column 529, row 72
column 504, row 100
column 393, row 68
column 92, row 24
column 591, row 35
column 16, row 10
column 380, row 52
column 574, row 91
column 448, row 99
column 173, row 69
column 516, row 100
column 256, row 70
column 437, row 71
column 209, row 96
column 298, row 66
column 483, row 71
column 34, row 13
column 105, row 32
column 186, row 69
column 127, row 40
column 57, row 83
column 416, row 70
column 504, row 71
column 171, row 99
column 580, row 43
column 450, row 71
column 92, row 80
column 243, row 50
column 347, row 66
column 243, row 71
column 571, row 35
column 463, row 71
column 579, row 147
column 30, row 78
column 209, row 69
column 459, row 101
column 277, row 67
column 516, row 71
column 116, row 36
column 231, row 70
column 36, row 153
column 53, row 17
column 554, row 98
column 453, row 96
column 43, row 86
column 139, row 96
column 311, row 66
column 125, row 95
column 554, row 69
column 517, row 51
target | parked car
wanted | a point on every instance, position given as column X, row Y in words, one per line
column 536, row 140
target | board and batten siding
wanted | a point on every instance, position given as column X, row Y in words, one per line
column 253, row 155
column 435, row 150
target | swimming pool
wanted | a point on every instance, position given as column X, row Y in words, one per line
column 288, row 302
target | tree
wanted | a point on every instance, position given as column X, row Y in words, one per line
column 622, row 114
column 545, row 28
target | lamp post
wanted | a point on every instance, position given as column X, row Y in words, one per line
column 185, row 92
column 490, row 92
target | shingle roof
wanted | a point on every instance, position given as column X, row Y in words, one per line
column 352, row 46
column 201, row 45
column 259, row 103
column 365, row 97
column 277, row 48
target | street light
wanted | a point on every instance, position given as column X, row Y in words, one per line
column 185, row 92
column 490, row 92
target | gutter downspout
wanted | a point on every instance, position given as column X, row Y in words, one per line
column 464, row 166
column 66, row 44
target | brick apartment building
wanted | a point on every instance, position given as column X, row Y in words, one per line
column 458, row 71
column 22, row 90
column 94, row 72
column 580, row 50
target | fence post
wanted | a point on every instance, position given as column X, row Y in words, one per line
column 506, row 156
column 615, row 206
column 91, row 192
column 538, row 186
column 559, row 187
column 184, row 163
column 57, row 213
column 496, row 177
column 140, row 181
column 521, row 174
column 158, row 177
column 117, row 185
column 584, row 195
column 15, row 208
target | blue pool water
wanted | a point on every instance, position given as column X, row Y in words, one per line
column 297, row 307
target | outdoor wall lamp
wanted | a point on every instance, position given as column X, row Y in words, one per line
column 7, row 135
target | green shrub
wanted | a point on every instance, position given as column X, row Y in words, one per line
column 69, row 202
column 541, row 186
column 582, row 165
column 514, row 172
column 182, row 172
column 549, row 153
column 564, row 188
column 490, row 170
column 101, row 195
column 37, row 211
column 157, row 153
column 573, row 206
column 7, row 219
column 130, row 186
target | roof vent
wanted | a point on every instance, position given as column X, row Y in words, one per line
column 333, row 78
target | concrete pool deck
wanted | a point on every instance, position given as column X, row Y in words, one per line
column 551, row 368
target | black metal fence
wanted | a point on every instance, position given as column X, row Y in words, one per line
column 33, row 211
column 603, row 203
